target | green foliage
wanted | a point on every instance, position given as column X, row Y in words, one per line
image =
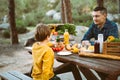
column 84, row 19
column 5, row 41
column 20, row 22
column 112, row 6
column 117, row 20
column 3, row 8
column 49, row 20
column 6, row 33
column 87, row 23
column 34, row 10
column 54, row 5
column 21, row 26
column 21, row 29
column 70, row 27
column 30, row 19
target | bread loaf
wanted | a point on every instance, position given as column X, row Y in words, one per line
column 105, row 56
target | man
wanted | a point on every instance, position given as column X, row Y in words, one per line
column 101, row 25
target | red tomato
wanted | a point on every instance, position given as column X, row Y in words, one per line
column 59, row 49
column 62, row 47
column 53, row 49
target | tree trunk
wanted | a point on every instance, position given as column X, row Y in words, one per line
column 14, row 36
column 68, row 11
column 62, row 11
column 100, row 3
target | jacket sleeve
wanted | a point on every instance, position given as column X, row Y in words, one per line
column 114, row 31
column 89, row 34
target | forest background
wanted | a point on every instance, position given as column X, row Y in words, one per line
column 31, row 12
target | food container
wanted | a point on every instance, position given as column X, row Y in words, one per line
column 112, row 48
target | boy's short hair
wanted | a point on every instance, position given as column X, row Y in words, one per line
column 42, row 32
column 103, row 10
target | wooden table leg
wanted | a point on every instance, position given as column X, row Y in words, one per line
column 62, row 68
column 75, row 72
column 67, row 67
column 111, row 77
column 88, row 73
column 101, row 75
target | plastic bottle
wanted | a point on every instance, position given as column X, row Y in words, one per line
column 66, row 37
column 100, row 39
column 96, row 47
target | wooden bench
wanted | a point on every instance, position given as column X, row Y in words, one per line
column 14, row 75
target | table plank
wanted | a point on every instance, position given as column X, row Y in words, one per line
column 103, row 62
column 93, row 63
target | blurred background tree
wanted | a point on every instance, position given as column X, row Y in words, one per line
column 12, row 22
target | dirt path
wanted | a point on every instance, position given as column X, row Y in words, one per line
column 15, row 57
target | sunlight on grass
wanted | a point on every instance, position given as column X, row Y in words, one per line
column 5, row 41
column 31, row 28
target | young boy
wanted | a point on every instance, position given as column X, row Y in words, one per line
column 43, row 55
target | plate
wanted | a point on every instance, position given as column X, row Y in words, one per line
column 64, row 53
column 29, row 48
column 89, row 51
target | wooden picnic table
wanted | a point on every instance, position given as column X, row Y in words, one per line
column 106, row 69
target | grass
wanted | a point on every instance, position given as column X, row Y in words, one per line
column 30, row 28
column 5, row 41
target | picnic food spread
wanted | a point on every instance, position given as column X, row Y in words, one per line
column 74, row 48
column 111, row 45
column 58, row 46
column 82, row 50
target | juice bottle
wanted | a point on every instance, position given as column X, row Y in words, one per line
column 97, row 47
column 66, row 37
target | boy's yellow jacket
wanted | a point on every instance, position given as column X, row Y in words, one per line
column 43, row 60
